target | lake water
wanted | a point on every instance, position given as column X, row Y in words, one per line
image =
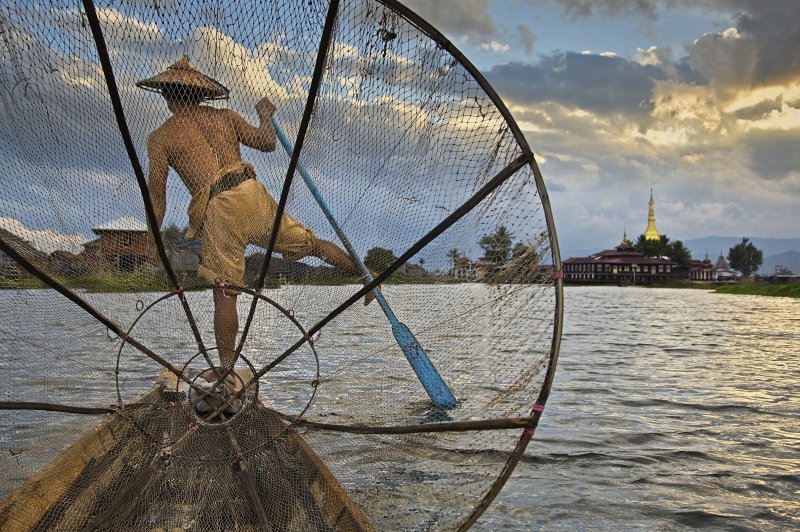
column 670, row 409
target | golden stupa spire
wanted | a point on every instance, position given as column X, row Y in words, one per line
column 651, row 233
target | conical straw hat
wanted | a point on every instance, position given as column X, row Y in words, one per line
column 183, row 74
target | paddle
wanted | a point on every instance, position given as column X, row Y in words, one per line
column 431, row 380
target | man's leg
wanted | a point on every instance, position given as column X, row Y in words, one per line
column 335, row 256
column 226, row 326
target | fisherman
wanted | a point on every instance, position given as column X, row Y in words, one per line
column 230, row 208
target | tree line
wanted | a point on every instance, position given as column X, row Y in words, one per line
column 504, row 260
column 744, row 256
column 500, row 250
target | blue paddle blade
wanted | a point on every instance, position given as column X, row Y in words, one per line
column 431, row 380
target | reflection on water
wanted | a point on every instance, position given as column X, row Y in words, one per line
column 671, row 409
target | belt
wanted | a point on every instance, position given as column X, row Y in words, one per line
column 229, row 181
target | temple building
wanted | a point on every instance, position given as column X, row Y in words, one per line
column 723, row 273
column 701, row 270
column 622, row 265
column 651, row 233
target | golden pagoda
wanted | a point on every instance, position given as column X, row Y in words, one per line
column 625, row 242
column 651, row 233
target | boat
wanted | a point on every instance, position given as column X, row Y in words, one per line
column 256, row 472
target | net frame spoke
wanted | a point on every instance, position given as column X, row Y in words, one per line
column 316, row 80
column 124, row 130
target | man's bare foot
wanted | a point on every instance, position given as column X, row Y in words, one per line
column 369, row 297
column 233, row 382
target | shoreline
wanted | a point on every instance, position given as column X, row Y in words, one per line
column 751, row 289
column 771, row 290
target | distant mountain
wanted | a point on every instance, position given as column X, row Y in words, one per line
column 713, row 245
column 790, row 259
column 567, row 253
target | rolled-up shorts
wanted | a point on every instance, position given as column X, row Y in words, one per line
column 240, row 216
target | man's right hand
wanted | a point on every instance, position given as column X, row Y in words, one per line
column 265, row 108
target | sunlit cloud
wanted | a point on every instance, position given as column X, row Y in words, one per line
column 46, row 240
column 494, row 46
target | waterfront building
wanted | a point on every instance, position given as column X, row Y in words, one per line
column 464, row 268
column 124, row 245
column 701, row 270
column 723, row 273
column 10, row 269
column 622, row 265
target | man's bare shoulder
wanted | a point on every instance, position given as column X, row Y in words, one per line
column 229, row 115
column 162, row 133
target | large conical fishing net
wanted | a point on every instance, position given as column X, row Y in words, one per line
column 410, row 412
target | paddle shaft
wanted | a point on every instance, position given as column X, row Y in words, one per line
column 426, row 373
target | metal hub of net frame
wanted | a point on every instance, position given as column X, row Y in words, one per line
column 409, row 412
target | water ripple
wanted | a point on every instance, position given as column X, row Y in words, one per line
column 671, row 409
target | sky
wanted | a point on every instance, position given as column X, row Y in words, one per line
column 699, row 99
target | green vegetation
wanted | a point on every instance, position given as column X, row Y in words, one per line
column 683, row 284
column 676, row 251
column 776, row 290
column 397, row 277
column 378, row 259
column 129, row 282
column 497, row 246
column 21, row 283
column 454, row 255
column 745, row 257
column 117, row 282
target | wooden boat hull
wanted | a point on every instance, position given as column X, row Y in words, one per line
column 119, row 476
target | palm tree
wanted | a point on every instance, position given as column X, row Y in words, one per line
column 497, row 245
column 679, row 253
column 453, row 255
column 653, row 248
column 676, row 251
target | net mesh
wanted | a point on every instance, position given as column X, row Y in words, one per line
column 404, row 143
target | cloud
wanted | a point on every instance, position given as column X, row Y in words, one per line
column 774, row 154
column 647, row 106
column 495, row 46
column 654, row 56
column 46, row 240
column 686, row 106
column 527, row 36
column 773, row 25
column 463, row 17
column 769, row 33
column 597, row 83
column 727, row 59
column 588, row 8
column 760, row 110
column 768, row 36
